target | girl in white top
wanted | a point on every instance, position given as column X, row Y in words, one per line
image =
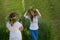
column 34, row 14
column 14, row 27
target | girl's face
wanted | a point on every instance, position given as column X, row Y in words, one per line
column 32, row 13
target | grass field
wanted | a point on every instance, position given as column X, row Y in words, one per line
column 49, row 24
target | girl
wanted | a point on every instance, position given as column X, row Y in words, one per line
column 34, row 14
column 14, row 27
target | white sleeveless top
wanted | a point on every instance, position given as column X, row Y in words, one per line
column 34, row 24
column 14, row 30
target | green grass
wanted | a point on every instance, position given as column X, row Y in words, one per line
column 49, row 24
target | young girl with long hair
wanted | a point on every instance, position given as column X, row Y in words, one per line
column 33, row 16
column 15, row 27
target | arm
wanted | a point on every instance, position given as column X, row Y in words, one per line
column 25, row 14
column 21, row 28
column 38, row 12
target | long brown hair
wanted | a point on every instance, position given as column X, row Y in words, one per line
column 12, row 18
column 35, row 13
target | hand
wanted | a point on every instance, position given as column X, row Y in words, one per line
column 21, row 28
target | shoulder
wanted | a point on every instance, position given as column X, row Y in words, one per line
column 8, row 24
column 37, row 16
column 27, row 16
column 18, row 23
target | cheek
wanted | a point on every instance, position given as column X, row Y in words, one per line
column 32, row 13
